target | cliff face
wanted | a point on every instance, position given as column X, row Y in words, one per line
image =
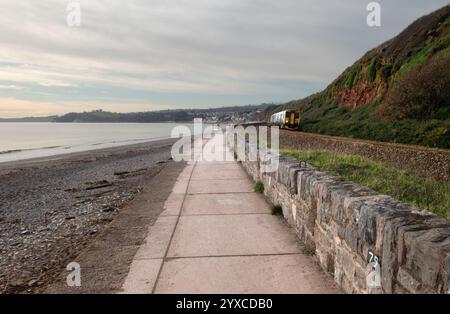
column 362, row 93
column 391, row 79
column 371, row 77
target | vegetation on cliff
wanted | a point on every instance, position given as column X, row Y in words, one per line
column 397, row 92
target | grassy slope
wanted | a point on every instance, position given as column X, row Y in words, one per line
column 425, row 193
column 359, row 102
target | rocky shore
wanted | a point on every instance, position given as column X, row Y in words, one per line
column 53, row 208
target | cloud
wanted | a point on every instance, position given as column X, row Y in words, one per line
column 225, row 50
column 10, row 87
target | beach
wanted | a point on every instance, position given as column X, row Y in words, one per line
column 53, row 208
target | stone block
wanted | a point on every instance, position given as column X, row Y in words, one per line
column 338, row 274
column 293, row 174
column 287, row 175
column 351, row 237
column 347, row 285
column 360, row 279
column 445, row 287
column 408, row 281
column 389, row 262
column 323, row 188
column 427, row 256
column 346, row 203
column 347, row 263
column 398, row 289
column 303, row 185
column 367, row 224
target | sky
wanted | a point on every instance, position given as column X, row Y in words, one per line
column 142, row 55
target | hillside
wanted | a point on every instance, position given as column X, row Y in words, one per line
column 397, row 92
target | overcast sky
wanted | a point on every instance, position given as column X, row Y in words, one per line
column 139, row 55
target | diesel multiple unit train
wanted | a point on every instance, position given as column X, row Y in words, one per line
column 288, row 119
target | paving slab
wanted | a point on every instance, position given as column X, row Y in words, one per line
column 217, row 166
column 142, row 276
column 225, row 204
column 180, row 186
column 220, row 153
column 173, row 204
column 158, row 238
column 205, row 173
column 220, row 186
column 219, row 235
column 244, row 274
column 186, row 173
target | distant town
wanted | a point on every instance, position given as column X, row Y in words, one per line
column 234, row 114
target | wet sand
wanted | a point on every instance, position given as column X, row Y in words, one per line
column 52, row 209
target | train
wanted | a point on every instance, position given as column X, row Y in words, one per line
column 288, row 119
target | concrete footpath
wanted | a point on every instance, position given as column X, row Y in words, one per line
column 216, row 235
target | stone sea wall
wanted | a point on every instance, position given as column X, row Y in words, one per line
column 369, row 243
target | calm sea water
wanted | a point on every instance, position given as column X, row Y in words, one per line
column 30, row 140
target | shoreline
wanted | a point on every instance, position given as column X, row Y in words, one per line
column 30, row 142
column 61, row 154
column 112, row 149
column 52, row 208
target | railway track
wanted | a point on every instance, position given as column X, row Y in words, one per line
column 421, row 160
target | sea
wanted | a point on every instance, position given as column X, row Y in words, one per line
column 19, row 141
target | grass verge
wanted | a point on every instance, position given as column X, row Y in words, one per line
column 309, row 250
column 259, row 187
column 276, row 210
column 425, row 193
